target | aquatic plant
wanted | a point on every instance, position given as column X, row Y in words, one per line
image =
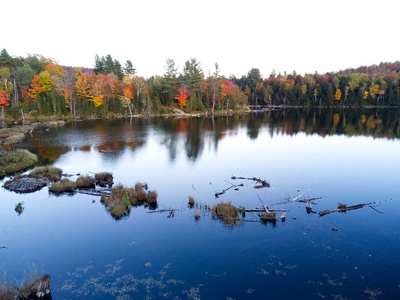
column 103, row 179
column 119, row 202
column 49, row 172
column 191, row 202
column 342, row 206
column 140, row 193
column 227, row 213
column 19, row 208
column 121, row 199
column 16, row 160
column 63, row 186
column 152, row 197
column 85, row 182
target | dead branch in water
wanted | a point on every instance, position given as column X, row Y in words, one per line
column 345, row 208
column 263, row 183
column 225, row 190
column 298, row 200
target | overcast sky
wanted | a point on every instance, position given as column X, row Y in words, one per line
column 301, row 35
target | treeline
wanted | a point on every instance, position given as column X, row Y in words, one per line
column 364, row 86
column 38, row 85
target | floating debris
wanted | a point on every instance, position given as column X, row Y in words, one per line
column 263, row 183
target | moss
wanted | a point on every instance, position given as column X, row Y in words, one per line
column 64, row 186
column 85, row 182
column 227, row 213
column 17, row 160
column 49, row 172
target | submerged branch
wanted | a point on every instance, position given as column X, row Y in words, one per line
column 345, row 208
column 263, row 183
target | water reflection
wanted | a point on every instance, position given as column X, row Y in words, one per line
column 112, row 137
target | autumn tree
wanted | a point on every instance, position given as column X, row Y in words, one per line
column 4, row 98
column 338, row 94
column 181, row 98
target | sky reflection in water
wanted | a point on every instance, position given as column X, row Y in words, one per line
column 90, row 255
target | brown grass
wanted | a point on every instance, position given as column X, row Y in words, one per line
column 227, row 213
column 16, row 160
column 49, row 172
column 103, row 179
column 85, row 182
column 64, row 186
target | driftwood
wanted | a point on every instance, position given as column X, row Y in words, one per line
column 98, row 193
column 299, row 200
column 225, row 190
column 358, row 206
column 263, row 210
column 263, row 183
column 171, row 212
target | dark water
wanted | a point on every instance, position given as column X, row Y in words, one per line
column 349, row 156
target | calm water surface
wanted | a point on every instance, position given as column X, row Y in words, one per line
column 348, row 156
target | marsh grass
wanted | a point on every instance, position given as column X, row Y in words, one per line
column 49, row 172
column 19, row 208
column 85, row 182
column 10, row 288
column 9, row 132
column 103, row 179
column 16, row 160
column 191, row 202
column 227, row 213
column 14, row 139
column 63, row 186
column 121, row 199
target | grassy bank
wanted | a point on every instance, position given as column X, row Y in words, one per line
column 15, row 161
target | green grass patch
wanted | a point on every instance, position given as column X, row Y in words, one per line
column 63, row 186
column 16, row 160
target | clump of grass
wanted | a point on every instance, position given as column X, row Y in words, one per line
column 342, row 206
column 119, row 202
column 103, row 179
column 197, row 216
column 152, row 197
column 121, row 199
column 63, row 186
column 19, row 208
column 227, row 213
column 14, row 139
column 268, row 215
column 49, row 172
column 9, row 132
column 54, row 123
column 16, row 160
column 140, row 192
column 191, row 202
column 85, row 182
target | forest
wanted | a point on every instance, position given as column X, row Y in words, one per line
column 37, row 86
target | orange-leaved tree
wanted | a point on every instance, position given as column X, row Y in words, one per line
column 182, row 97
column 4, row 98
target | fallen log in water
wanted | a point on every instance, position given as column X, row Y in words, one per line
column 358, row 206
column 263, row 183
column 225, row 190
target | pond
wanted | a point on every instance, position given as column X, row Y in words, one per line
column 344, row 156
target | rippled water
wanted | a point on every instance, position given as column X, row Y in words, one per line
column 345, row 156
